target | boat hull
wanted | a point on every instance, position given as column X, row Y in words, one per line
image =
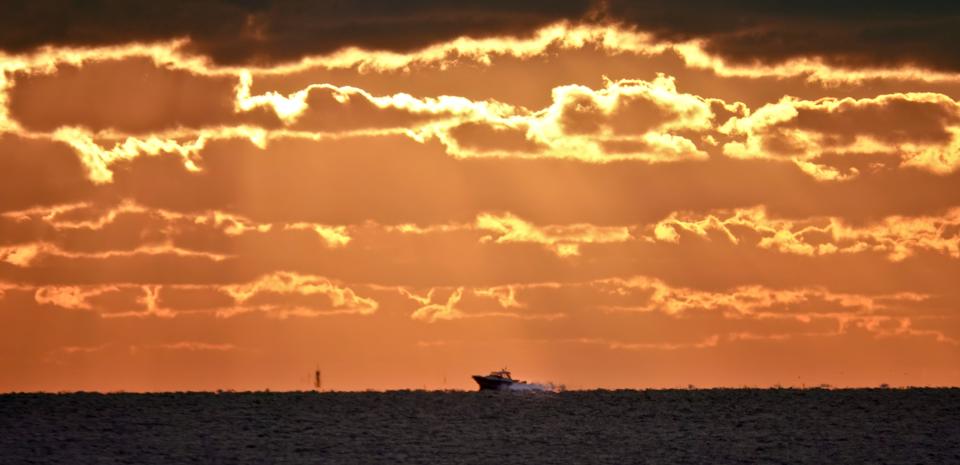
column 488, row 383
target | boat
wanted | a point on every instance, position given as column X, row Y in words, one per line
column 496, row 381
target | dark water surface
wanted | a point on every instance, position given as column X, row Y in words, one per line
column 909, row 426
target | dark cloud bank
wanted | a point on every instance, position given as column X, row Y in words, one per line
column 261, row 31
column 885, row 33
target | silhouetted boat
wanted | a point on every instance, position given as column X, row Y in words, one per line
column 496, row 380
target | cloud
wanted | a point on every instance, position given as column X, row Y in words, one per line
column 334, row 236
column 606, row 127
column 456, row 309
column 279, row 294
column 105, row 300
column 192, row 346
column 60, row 355
column 275, row 294
column 626, row 119
column 898, row 237
column 21, row 255
column 811, row 311
column 830, row 139
column 818, row 311
column 132, row 96
column 744, row 35
column 49, row 171
column 752, row 301
column 889, row 34
column 83, row 349
column 271, row 32
column 104, row 229
column 87, row 216
column 879, row 328
column 706, row 343
column 70, row 297
column 919, row 128
column 25, row 255
column 564, row 240
column 7, row 124
column 582, row 123
column 397, row 181
column 330, row 108
column 445, row 311
column 97, row 159
column 479, row 137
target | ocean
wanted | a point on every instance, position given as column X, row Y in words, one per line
column 697, row 426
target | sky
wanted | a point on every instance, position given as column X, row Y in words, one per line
column 231, row 194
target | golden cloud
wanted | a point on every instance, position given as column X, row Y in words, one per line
column 333, row 236
column 93, row 297
column 272, row 294
column 7, row 124
column 613, row 114
column 919, row 128
column 876, row 314
column 59, row 218
column 343, row 300
column 24, row 255
column 627, row 119
column 195, row 346
column 563, row 240
column 451, row 309
column 741, row 302
column 899, row 237
column 70, row 297
column 706, row 343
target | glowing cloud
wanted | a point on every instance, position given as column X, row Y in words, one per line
column 628, row 119
column 97, row 159
column 563, row 240
column 919, row 128
column 744, row 301
column 445, row 311
column 333, row 236
column 582, row 123
column 451, row 309
column 70, row 297
column 342, row 299
column 24, row 255
column 898, row 236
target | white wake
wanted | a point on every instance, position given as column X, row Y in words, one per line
column 534, row 387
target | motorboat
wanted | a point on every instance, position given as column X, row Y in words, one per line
column 496, row 381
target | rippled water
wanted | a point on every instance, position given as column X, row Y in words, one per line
column 617, row 427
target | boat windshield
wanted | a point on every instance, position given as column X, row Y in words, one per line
column 501, row 374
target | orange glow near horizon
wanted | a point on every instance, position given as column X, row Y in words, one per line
column 589, row 204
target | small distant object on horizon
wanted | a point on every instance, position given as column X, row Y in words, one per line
column 502, row 380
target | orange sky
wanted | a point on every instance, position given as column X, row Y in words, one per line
column 588, row 203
